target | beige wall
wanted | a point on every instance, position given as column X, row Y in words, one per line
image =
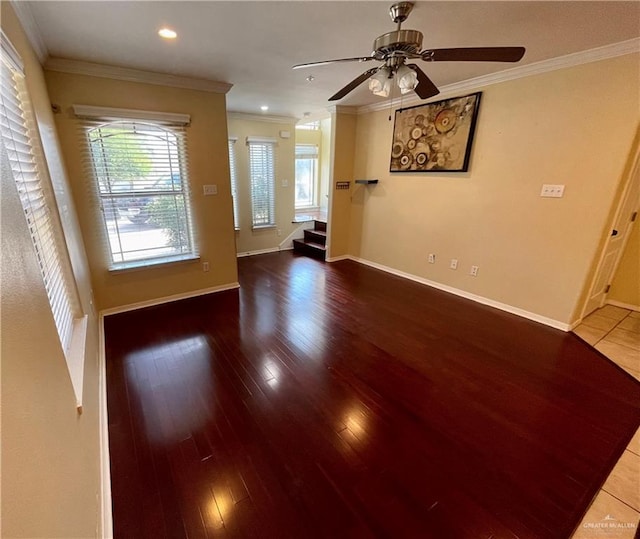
column 50, row 454
column 625, row 287
column 243, row 126
column 208, row 164
column 343, row 138
column 573, row 126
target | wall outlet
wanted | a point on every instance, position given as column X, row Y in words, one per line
column 454, row 263
column 279, row 232
column 432, row 258
column 552, row 191
column 285, row 183
column 205, row 266
column 474, row 271
column 209, row 190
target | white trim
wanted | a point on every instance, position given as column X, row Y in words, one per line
column 108, row 113
column 106, row 515
column 629, row 306
column 258, row 252
column 268, row 118
column 261, row 140
column 341, row 257
column 10, row 53
column 345, row 109
column 169, row 299
column 622, row 48
column 77, row 67
column 31, row 29
column 75, row 357
column 464, row 294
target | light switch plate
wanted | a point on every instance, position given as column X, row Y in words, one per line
column 210, row 190
column 285, row 183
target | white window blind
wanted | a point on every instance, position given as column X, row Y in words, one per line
column 306, row 175
column 262, row 180
column 140, row 177
column 25, row 158
column 234, row 181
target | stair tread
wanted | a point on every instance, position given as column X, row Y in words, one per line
column 313, row 244
column 318, row 232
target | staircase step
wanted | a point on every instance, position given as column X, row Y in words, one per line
column 320, row 225
column 316, row 236
column 309, row 248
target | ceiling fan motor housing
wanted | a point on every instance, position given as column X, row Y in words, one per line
column 409, row 41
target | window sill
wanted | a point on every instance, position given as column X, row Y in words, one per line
column 75, row 357
column 138, row 265
column 263, row 227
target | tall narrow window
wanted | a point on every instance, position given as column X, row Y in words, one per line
column 306, row 175
column 20, row 139
column 262, row 179
column 234, row 181
column 141, row 182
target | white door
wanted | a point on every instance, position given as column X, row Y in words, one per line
column 626, row 217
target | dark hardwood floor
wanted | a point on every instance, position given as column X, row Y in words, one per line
column 334, row 400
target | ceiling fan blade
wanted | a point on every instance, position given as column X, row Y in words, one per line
column 425, row 88
column 325, row 62
column 353, row 84
column 474, row 54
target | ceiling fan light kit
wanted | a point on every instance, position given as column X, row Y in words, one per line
column 395, row 48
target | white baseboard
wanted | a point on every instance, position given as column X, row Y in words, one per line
column 629, row 306
column 169, row 299
column 341, row 257
column 258, row 252
column 464, row 294
column 106, row 516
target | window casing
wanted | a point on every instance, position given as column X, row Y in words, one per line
column 306, row 195
column 234, row 182
column 141, row 185
column 262, row 181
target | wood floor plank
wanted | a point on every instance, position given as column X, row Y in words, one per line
column 334, row 400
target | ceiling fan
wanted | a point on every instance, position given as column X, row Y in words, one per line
column 395, row 48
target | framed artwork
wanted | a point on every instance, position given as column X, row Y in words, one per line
column 435, row 137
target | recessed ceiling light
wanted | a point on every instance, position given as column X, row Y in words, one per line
column 167, row 33
column 264, row 108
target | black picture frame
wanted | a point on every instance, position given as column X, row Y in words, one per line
column 435, row 137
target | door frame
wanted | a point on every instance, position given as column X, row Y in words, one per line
column 633, row 175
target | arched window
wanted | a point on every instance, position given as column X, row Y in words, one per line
column 141, row 183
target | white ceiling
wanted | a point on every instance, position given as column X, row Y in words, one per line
column 253, row 45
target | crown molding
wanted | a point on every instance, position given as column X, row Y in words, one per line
column 343, row 109
column 64, row 65
column 30, row 27
column 267, row 118
column 614, row 50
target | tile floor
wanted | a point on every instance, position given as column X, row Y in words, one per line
column 615, row 512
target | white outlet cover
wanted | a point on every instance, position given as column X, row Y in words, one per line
column 552, row 190
column 453, row 264
column 285, row 183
